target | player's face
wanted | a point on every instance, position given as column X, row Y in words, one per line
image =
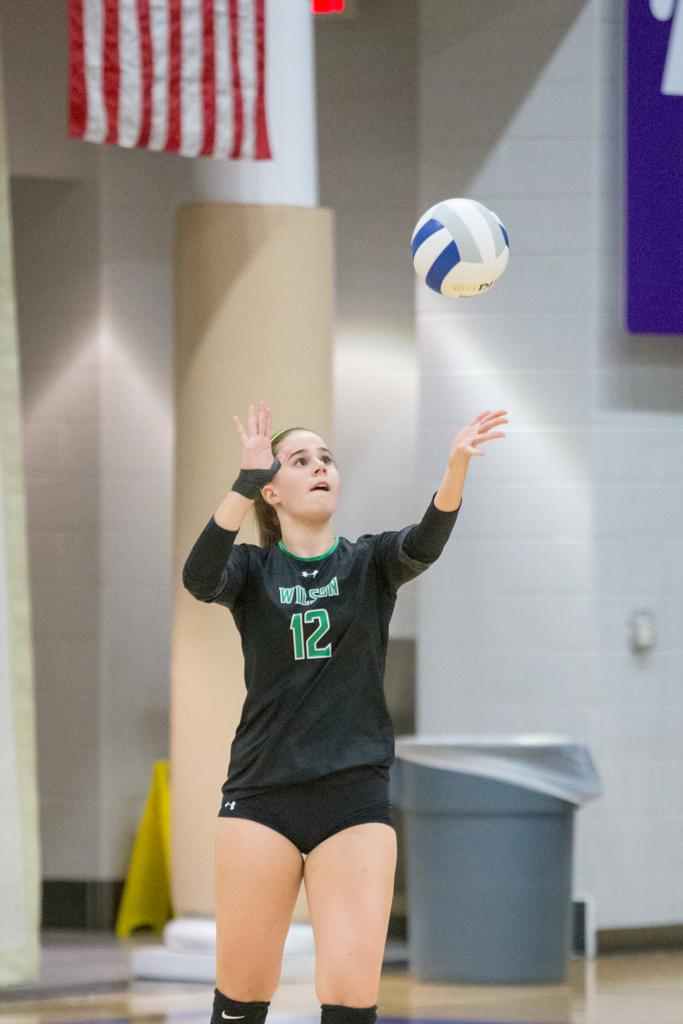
column 309, row 464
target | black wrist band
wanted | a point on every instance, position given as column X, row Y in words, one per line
column 250, row 481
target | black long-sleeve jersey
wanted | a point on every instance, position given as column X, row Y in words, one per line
column 314, row 636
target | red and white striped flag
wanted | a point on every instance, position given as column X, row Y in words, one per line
column 184, row 76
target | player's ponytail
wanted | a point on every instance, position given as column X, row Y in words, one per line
column 267, row 522
column 266, row 516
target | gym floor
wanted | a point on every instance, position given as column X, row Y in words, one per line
column 84, row 977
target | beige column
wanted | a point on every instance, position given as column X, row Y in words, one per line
column 253, row 319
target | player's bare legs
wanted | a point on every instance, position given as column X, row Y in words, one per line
column 349, row 880
column 257, row 878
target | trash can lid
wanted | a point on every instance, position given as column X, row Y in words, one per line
column 557, row 765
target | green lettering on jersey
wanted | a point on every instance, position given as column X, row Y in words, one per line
column 296, row 626
column 299, row 595
column 323, row 626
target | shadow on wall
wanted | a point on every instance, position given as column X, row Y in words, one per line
column 55, row 236
column 493, row 54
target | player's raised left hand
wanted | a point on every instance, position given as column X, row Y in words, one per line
column 476, row 432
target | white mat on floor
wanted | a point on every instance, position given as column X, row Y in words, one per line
column 189, row 953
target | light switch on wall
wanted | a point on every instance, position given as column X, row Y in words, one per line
column 642, row 630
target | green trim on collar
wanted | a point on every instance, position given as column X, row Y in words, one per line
column 315, row 557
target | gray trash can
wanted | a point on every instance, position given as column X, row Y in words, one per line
column 488, row 823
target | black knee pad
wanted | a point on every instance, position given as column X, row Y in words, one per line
column 335, row 1013
column 227, row 1009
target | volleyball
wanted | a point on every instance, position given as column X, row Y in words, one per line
column 460, row 248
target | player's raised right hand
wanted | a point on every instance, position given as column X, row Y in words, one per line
column 257, row 452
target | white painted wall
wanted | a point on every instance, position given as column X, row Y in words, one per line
column 570, row 523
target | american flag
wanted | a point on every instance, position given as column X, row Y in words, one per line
column 183, row 76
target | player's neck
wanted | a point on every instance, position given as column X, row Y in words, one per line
column 308, row 541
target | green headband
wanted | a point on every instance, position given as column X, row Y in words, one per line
column 279, row 434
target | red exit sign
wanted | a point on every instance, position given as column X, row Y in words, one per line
column 327, row 6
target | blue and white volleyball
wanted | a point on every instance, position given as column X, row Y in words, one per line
column 460, row 248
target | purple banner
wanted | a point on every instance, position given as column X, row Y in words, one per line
column 654, row 276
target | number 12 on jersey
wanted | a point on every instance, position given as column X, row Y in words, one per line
column 311, row 650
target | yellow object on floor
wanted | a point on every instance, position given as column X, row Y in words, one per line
column 146, row 899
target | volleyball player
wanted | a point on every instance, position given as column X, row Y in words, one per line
column 306, row 793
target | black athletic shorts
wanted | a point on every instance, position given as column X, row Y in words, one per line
column 309, row 812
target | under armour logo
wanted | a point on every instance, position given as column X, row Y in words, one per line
column 230, row 804
column 313, row 572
